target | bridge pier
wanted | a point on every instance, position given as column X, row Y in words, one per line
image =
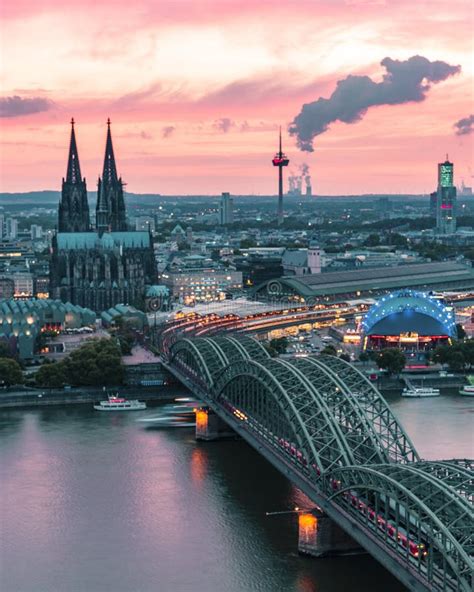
column 210, row 426
column 319, row 536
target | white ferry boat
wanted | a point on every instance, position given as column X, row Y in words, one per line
column 422, row 391
column 115, row 403
column 467, row 390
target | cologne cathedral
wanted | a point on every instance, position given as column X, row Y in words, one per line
column 98, row 267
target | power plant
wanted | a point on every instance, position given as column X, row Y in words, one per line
column 295, row 182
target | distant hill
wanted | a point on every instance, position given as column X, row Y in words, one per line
column 33, row 197
column 47, row 197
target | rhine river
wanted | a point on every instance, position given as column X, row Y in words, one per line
column 95, row 502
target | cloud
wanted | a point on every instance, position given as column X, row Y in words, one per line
column 167, row 131
column 223, row 124
column 261, row 126
column 404, row 81
column 464, row 126
column 134, row 98
column 135, row 134
column 15, row 106
column 261, row 89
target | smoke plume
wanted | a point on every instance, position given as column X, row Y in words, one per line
column 295, row 180
column 404, row 81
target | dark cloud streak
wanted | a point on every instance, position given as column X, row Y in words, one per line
column 465, row 126
column 167, row 131
column 223, row 124
column 16, row 106
column 404, row 81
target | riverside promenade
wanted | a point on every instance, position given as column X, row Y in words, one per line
column 27, row 397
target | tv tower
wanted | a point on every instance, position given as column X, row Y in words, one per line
column 280, row 160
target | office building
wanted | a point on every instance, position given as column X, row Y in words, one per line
column 11, row 228
column 227, row 209
column 36, row 232
column 196, row 278
column 446, row 199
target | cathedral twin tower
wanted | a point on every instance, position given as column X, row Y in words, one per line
column 73, row 215
column 102, row 266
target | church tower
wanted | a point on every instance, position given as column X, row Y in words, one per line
column 110, row 210
column 73, row 214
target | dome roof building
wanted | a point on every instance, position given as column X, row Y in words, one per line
column 410, row 320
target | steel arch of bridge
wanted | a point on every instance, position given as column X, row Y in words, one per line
column 363, row 428
column 422, row 504
column 322, row 418
column 206, row 357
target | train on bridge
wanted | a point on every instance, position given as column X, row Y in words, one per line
column 325, row 426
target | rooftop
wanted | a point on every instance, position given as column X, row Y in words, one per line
column 427, row 275
column 109, row 240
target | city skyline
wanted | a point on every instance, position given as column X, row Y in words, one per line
column 196, row 97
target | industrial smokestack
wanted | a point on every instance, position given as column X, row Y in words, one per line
column 307, row 179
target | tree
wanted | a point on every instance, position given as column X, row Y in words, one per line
column 5, row 351
column 345, row 357
column 96, row 363
column 247, row 243
column 396, row 239
column 373, row 240
column 51, row 375
column 329, row 350
column 364, row 357
column 467, row 349
column 441, row 354
column 456, row 356
column 392, row 360
column 279, row 345
column 10, row 372
column 456, row 361
column 461, row 331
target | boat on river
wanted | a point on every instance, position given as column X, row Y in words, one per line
column 420, row 391
column 468, row 389
column 116, row 403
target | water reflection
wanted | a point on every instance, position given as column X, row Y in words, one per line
column 96, row 502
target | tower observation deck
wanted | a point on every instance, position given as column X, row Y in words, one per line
column 280, row 160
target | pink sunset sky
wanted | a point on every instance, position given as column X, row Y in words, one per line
column 196, row 90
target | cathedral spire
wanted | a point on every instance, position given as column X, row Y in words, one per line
column 73, row 168
column 73, row 212
column 110, row 210
column 109, row 174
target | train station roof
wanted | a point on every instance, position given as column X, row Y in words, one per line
column 426, row 276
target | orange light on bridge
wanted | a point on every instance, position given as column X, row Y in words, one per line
column 202, row 419
column 307, row 527
column 307, row 520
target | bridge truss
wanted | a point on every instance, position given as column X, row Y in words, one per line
column 321, row 422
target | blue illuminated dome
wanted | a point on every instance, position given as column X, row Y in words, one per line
column 407, row 311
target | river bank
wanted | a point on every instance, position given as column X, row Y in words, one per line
column 83, row 395
column 31, row 397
